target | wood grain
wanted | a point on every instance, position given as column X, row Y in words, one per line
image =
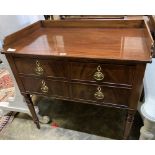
column 119, row 23
column 112, row 95
column 148, row 38
column 70, row 51
column 21, row 33
column 99, row 43
column 51, row 69
column 113, row 74
column 56, row 88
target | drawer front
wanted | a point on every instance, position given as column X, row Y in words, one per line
column 100, row 94
column 106, row 73
column 46, row 87
column 48, row 68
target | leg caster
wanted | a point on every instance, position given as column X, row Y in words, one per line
column 42, row 119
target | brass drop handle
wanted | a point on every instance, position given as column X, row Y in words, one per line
column 98, row 75
column 99, row 95
column 39, row 70
column 44, row 87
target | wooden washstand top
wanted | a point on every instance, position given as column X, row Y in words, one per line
column 109, row 39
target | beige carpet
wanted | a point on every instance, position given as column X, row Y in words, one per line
column 23, row 128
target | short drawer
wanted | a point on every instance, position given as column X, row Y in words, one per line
column 106, row 73
column 46, row 87
column 48, row 68
column 100, row 94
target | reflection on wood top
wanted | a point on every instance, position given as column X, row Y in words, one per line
column 103, row 43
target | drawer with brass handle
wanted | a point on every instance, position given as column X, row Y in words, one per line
column 46, row 87
column 102, row 73
column 98, row 75
column 100, row 94
column 41, row 67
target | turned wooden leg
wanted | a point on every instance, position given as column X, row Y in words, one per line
column 129, row 122
column 32, row 110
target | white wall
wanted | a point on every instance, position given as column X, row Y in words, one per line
column 13, row 23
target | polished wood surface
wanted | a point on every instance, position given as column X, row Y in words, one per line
column 120, row 44
column 82, row 61
column 85, row 72
column 55, row 88
column 21, row 33
column 111, row 39
column 79, row 71
column 50, row 68
column 112, row 95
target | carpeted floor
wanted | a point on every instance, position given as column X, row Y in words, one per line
column 70, row 126
column 22, row 128
column 71, row 121
column 6, row 85
column 6, row 91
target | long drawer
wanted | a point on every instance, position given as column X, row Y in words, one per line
column 99, row 93
column 102, row 73
column 45, row 87
column 77, row 91
column 88, row 72
column 48, row 68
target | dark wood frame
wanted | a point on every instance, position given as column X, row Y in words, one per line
column 138, row 71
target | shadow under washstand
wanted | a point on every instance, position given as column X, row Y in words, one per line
column 101, row 121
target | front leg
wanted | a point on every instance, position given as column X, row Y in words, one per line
column 32, row 110
column 42, row 119
column 129, row 122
